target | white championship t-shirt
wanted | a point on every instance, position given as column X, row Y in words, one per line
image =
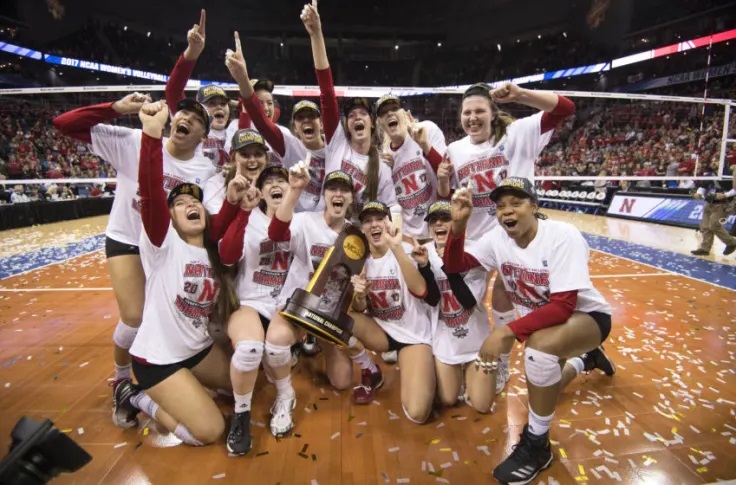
column 555, row 261
column 311, row 238
column 399, row 313
column 121, row 147
column 214, row 146
column 180, row 292
column 341, row 157
column 263, row 266
column 415, row 181
column 458, row 333
column 487, row 165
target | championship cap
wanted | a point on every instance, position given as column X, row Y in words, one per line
column 185, row 188
column 437, row 209
column 352, row 103
column 375, row 207
column 205, row 93
column 187, row 104
column 259, row 84
column 271, row 171
column 338, row 177
column 519, row 186
column 305, row 105
column 478, row 89
column 243, row 138
column 387, row 100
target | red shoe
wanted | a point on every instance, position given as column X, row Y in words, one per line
column 370, row 382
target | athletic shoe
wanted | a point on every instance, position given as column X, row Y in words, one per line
column 530, row 456
column 502, row 377
column 390, row 357
column 123, row 412
column 310, row 345
column 729, row 249
column 239, row 440
column 597, row 359
column 370, row 382
column 700, row 252
column 282, row 421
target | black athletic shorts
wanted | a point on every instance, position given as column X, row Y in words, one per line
column 264, row 321
column 395, row 345
column 604, row 323
column 148, row 375
column 116, row 248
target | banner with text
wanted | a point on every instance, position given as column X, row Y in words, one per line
column 666, row 210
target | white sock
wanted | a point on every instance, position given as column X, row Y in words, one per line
column 143, row 402
column 183, row 434
column 122, row 372
column 242, row 402
column 577, row 364
column 364, row 361
column 539, row 425
column 284, row 389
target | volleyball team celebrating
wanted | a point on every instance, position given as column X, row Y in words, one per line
column 215, row 225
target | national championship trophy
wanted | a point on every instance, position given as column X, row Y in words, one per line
column 322, row 308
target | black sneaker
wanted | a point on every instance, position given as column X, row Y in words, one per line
column 729, row 249
column 700, row 252
column 310, row 345
column 597, row 359
column 239, row 440
column 530, row 456
column 123, row 412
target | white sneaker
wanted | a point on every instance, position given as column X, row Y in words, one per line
column 282, row 421
column 502, row 378
column 390, row 357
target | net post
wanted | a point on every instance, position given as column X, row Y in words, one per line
column 724, row 140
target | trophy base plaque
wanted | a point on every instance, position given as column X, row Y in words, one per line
column 301, row 309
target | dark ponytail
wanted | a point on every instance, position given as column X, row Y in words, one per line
column 226, row 301
column 371, row 175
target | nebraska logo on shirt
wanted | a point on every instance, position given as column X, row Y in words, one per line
column 484, row 177
column 273, row 259
column 385, row 298
column 452, row 312
column 317, row 176
column 214, row 149
column 358, row 175
column 412, row 189
column 530, row 287
column 200, row 289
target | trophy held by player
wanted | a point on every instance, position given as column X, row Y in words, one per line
column 322, row 308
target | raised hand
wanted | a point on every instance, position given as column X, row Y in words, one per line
column 131, row 103
column 419, row 253
column 251, row 198
column 445, row 170
column 508, row 93
column 235, row 62
column 237, row 187
column 462, row 204
column 392, row 235
column 154, row 116
column 419, row 135
column 299, row 175
column 310, row 18
column 196, row 38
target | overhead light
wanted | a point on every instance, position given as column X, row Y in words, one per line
column 148, row 34
column 439, row 44
column 366, row 66
column 282, row 44
column 518, row 40
column 396, row 47
column 499, row 47
column 564, row 34
column 125, row 27
column 539, row 36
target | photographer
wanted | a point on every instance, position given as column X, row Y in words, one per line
column 714, row 213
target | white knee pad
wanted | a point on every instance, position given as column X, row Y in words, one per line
column 124, row 335
column 277, row 355
column 542, row 369
column 503, row 318
column 247, row 356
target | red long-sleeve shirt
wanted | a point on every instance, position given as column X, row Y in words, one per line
column 558, row 310
column 328, row 102
column 154, row 209
column 231, row 246
column 265, row 125
column 77, row 123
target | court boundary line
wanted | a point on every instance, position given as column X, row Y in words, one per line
column 662, row 269
column 632, row 275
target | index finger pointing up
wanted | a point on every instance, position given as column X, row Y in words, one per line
column 314, row 4
column 202, row 21
column 238, row 48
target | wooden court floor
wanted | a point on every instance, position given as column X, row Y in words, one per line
column 667, row 417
